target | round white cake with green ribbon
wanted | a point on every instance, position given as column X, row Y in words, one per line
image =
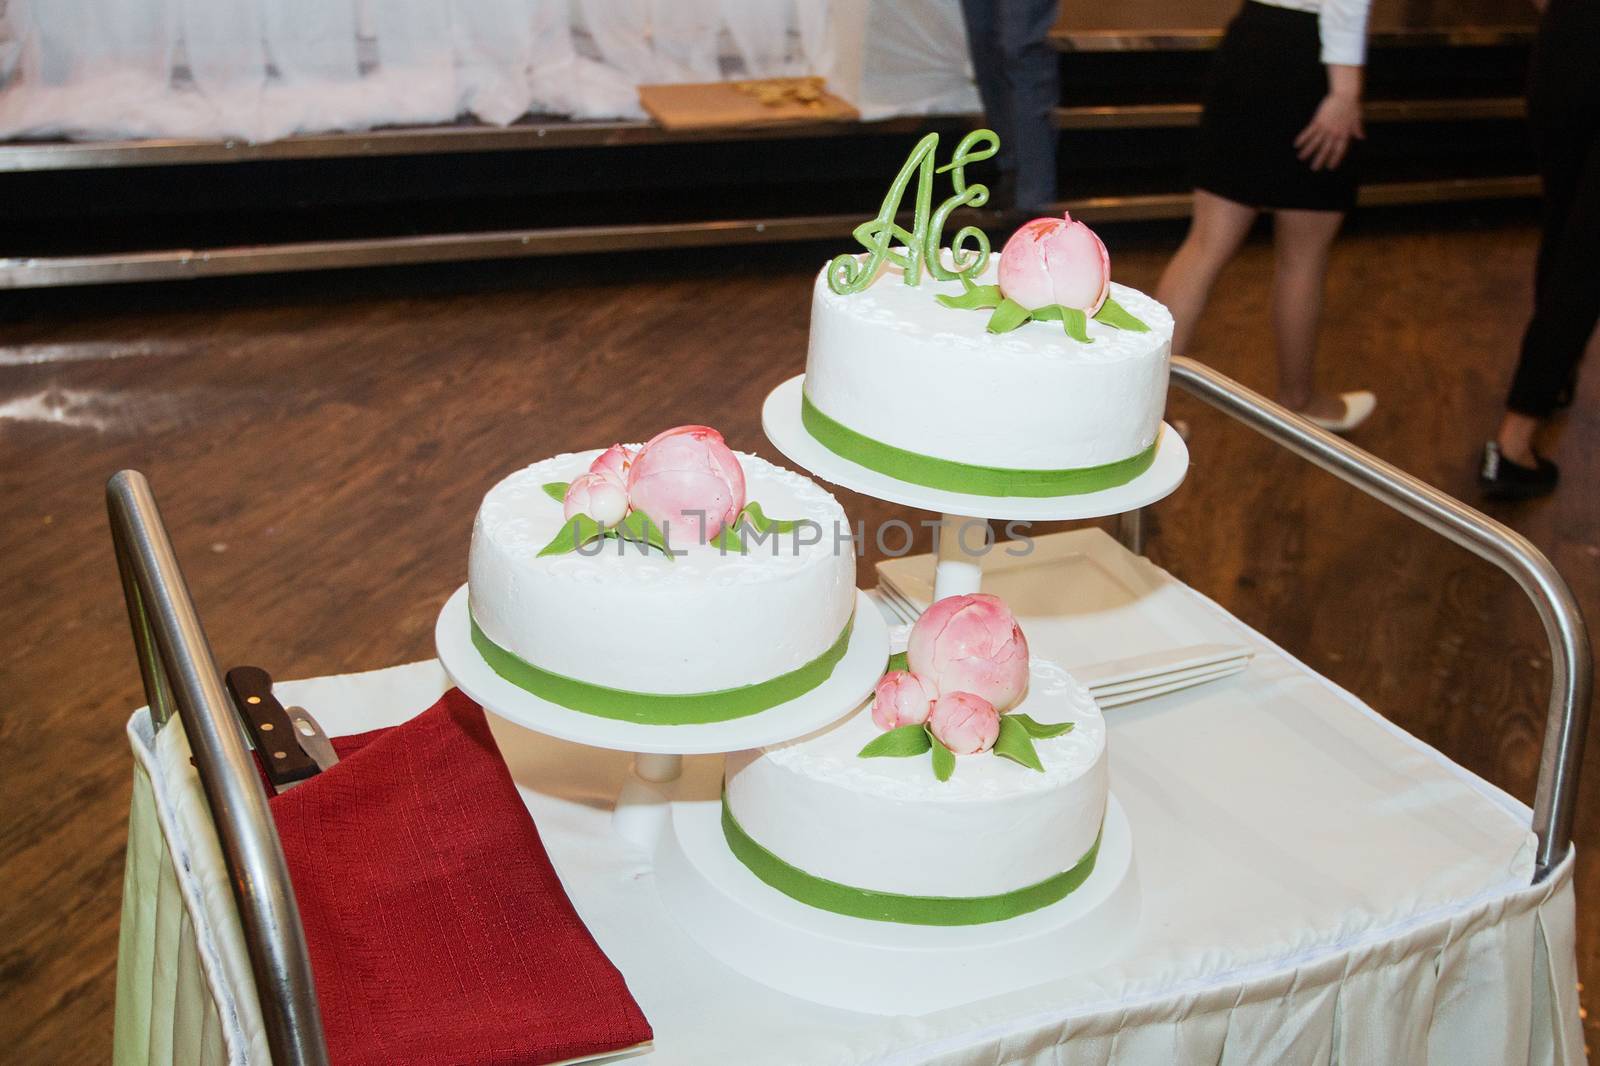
column 877, row 817
column 954, row 385
column 599, row 594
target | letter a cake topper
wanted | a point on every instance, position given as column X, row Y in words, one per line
column 969, row 250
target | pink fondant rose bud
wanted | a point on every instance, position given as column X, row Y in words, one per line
column 595, row 495
column 964, row 723
column 685, row 477
column 1055, row 261
column 901, row 699
column 971, row 644
column 614, row 463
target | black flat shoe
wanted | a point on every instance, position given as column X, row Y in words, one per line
column 1501, row 479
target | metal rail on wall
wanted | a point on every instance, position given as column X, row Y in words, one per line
column 181, row 677
column 1571, row 662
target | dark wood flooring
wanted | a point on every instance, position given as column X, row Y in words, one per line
column 319, row 445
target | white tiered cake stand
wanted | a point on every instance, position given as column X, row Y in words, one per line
column 882, row 967
column 642, row 806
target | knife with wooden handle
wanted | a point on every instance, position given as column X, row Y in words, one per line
column 282, row 758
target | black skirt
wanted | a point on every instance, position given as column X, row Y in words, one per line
column 1266, row 84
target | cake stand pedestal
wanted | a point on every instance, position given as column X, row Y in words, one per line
column 642, row 805
column 956, row 571
column 958, row 564
column 640, row 815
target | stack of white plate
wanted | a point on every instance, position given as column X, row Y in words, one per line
column 1070, row 591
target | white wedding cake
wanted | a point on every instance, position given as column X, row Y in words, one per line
column 973, row 789
column 893, row 365
column 862, row 819
column 889, row 826
column 1026, row 373
column 617, row 626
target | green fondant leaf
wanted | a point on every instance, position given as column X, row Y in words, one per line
column 556, row 490
column 1008, row 316
column 897, row 661
column 1048, row 313
column 573, row 535
column 898, row 743
column 729, row 541
column 1038, row 730
column 1115, row 315
column 977, row 297
column 944, row 760
column 1015, row 744
column 762, row 524
column 1076, row 323
column 638, row 528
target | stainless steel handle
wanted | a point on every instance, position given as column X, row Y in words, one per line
column 1571, row 662
column 180, row 675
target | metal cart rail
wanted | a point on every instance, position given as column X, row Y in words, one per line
column 180, row 676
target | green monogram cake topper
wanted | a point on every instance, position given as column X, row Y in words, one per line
column 969, row 251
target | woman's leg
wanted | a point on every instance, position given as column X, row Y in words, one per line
column 1300, row 266
column 1566, row 291
column 1218, row 228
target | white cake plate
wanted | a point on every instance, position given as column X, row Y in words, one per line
column 641, row 810
column 780, row 418
column 885, row 967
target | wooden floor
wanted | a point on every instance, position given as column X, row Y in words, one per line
column 319, row 445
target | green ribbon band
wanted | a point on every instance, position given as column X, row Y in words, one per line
column 889, row 906
column 657, row 708
column 935, row 473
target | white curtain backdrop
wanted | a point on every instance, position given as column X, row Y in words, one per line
column 264, row 69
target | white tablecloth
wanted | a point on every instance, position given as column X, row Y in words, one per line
column 1318, row 888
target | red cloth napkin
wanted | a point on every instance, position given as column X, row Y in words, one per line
column 438, row 930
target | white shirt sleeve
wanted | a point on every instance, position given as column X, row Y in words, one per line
column 1343, row 26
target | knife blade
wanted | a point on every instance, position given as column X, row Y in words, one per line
column 308, row 731
column 284, row 761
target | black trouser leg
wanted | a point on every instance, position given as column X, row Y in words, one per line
column 1016, row 70
column 989, row 71
column 1564, row 109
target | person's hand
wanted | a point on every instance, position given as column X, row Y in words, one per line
column 1322, row 145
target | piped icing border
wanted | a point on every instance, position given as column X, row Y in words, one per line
column 951, row 476
column 658, row 708
column 877, row 906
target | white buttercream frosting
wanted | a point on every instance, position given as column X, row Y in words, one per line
column 894, row 364
column 704, row 621
column 888, row 824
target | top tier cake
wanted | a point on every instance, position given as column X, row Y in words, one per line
column 894, row 365
column 1022, row 373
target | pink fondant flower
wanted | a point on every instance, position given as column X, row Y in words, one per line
column 614, row 463
column 687, row 479
column 901, row 699
column 973, row 644
column 597, row 495
column 964, row 723
column 1055, row 261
